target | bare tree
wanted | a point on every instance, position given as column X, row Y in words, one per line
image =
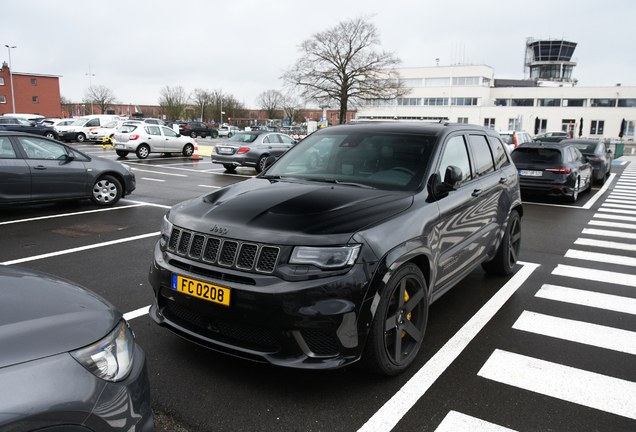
column 291, row 108
column 341, row 65
column 173, row 101
column 271, row 102
column 201, row 100
column 101, row 96
column 224, row 102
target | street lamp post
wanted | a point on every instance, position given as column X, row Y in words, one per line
column 11, row 76
column 90, row 82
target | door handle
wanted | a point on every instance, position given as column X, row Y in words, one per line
column 477, row 192
column 503, row 180
column 40, row 167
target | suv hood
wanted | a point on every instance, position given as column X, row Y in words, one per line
column 289, row 212
column 43, row 316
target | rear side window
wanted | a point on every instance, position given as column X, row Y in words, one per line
column 501, row 158
column 6, row 149
column 508, row 139
column 484, row 162
column 127, row 128
column 536, row 155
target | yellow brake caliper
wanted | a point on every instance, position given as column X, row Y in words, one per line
column 408, row 317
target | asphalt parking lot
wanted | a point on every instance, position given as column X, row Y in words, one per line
column 475, row 329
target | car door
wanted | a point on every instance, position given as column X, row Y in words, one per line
column 15, row 174
column 154, row 138
column 172, row 141
column 585, row 168
column 462, row 218
column 53, row 174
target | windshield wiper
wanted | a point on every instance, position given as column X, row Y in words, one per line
column 331, row 180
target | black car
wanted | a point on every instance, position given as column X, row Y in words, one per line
column 551, row 137
column 194, row 129
column 320, row 265
column 556, row 169
column 36, row 169
column 23, row 125
column 596, row 154
column 69, row 361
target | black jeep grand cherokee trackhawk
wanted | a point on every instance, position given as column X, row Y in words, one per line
column 335, row 252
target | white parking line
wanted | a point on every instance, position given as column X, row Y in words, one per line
column 72, row 214
column 577, row 331
column 585, row 388
column 151, row 179
column 588, row 298
column 136, row 313
column 393, row 410
column 160, row 173
column 458, row 422
column 210, row 186
column 79, row 249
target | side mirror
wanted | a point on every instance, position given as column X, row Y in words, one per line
column 452, row 181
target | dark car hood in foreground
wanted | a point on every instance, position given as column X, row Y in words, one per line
column 41, row 315
column 286, row 212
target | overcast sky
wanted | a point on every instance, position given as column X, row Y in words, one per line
column 136, row 48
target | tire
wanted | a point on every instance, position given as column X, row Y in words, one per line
column 508, row 253
column 106, row 191
column 260, row 164
column 121, row 153
column 398, row 327
column 193, row 135
column 214, row 134
column 229, row 135
column 143, row 151
column 50, row 135
column 575, row 193
column 80, row 137
column 188, row 150
column 203, row 136
column 229, row 167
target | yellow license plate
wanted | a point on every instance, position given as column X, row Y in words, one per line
column 202, row 290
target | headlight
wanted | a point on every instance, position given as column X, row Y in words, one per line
column 166, row 232
column 111, row 358
column 328, row 258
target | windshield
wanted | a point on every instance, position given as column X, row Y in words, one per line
column 383, row 160
column 243, row 137
column 80, row 122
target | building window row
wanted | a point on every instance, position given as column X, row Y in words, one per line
column 623, row 103
column 464, row 101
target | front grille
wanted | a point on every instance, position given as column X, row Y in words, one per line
column 224, row 252
column 242, row 334
column 321, row 342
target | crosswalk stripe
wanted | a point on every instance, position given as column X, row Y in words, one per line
column 577, row 331
column 612, row 224
column 581, row 387
column 609, row 233
column 614, row 199
column 605, row 244
column 608, row 210
column 621, row 206
column 595, row 275
column 601, row 257
column 588, row 298
column 615, row 217
column 458, row 422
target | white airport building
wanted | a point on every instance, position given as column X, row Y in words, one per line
column 547, row 100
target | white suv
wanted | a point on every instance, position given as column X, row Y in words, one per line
column 228, row 131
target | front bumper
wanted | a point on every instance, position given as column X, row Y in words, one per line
column 313, row 324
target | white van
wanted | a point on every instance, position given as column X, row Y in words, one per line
column 79, row 130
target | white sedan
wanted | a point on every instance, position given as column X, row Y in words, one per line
column 143, row 139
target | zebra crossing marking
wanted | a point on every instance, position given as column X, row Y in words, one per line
column 605, row 244
column 570, row 384
column 601, row 257
column 592, row 299
column 595, row 275
column 458, row 422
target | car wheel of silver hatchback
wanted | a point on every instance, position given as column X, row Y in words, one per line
column 398, row 327
column 188, row 150
column 106, row 191
column 143, row 151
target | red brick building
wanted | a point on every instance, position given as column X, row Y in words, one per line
column 34, row 93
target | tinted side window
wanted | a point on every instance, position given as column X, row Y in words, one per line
column 501, row 158
column 6, row 149
column 92, row 123
column 167, row 131
column 37, row 148
column 456, row 154
column 152, row 130
column 484, row 162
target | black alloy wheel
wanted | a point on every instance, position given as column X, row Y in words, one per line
column 398, row 327
column 508, row 253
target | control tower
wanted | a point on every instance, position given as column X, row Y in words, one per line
column 549, row 61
